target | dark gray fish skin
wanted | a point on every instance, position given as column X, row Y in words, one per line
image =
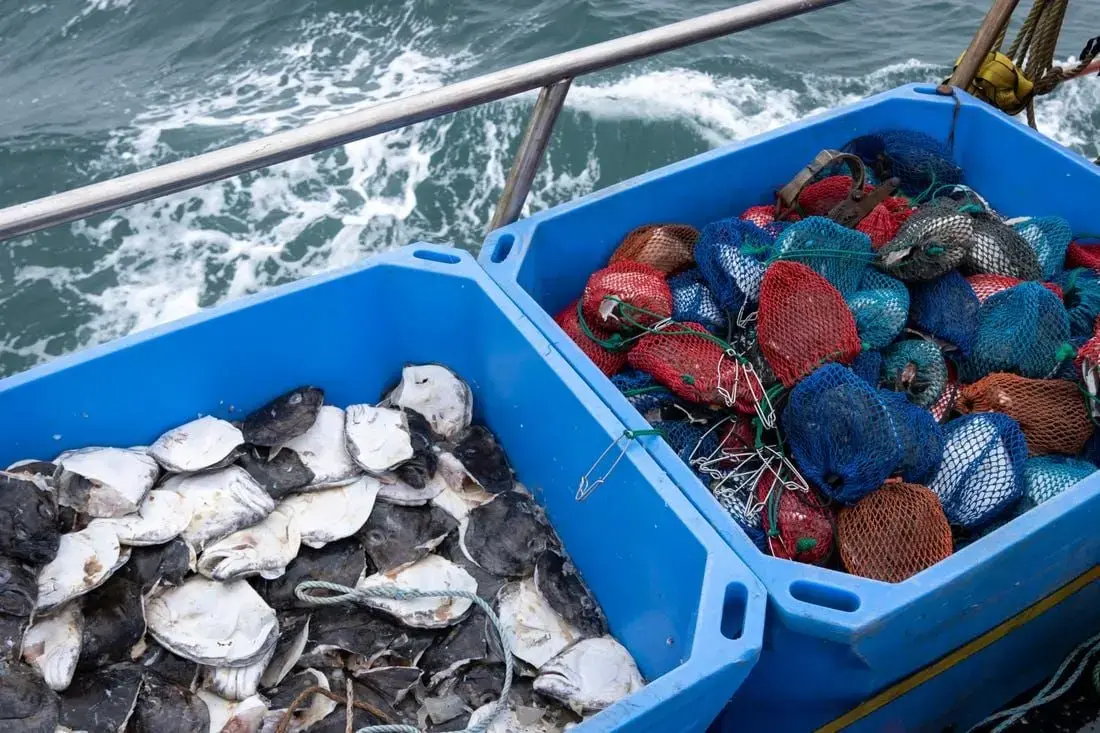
column 337, row 721
column 507, row 535
column 285, row 417
column 28, row 521
column 393, row 683
column 27, row 705
column 18, row 587
column 487, row 584
column 279, row 476
column 480, row 684
column 451, row 726
column 70, row 520
column 101, row 701
column 12, row 629
column 169, row 564
column 113, row 622
column 165, row 707
column 45, row 469
column 340, row 562
column 561, row 585
column 397, row 535
column 295, row 684
column 481, row 455
column 421, row 468
column 168, row 666
column 359, row 631
column 291, row 629
column 463, row 643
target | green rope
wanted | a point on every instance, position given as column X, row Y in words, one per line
column 920, row 199
column 644, row 390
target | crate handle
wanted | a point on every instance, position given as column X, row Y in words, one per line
column 825, row 596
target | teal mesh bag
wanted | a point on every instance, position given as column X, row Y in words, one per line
column 880, row 308
column 732, row 255
column 1047, row 476
column 917, row 369
column 1024, row 330
column 1049, row 238
column 981, row 474
column 838, row 254
column 1081, row 297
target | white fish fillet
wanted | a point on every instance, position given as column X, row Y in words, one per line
column 85, row 559
column 329, row 515
column 238, row 683
column 245, row 716
column 436, row 393
column 52, row 645
column 430, row 573
column 378, row 438
column 162, row 516
column 197, row 446
column 590, row 675
column 460, row 493
column 323, row 450
column 534, row 630
column 221, row 503
column 115, row 480
column 263, row 549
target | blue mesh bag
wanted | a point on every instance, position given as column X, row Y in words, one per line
column 868, row 367
column 693, row 301
column 1081, row 297
column 1047, row 476
column 688, row 441
column 642, row 390
column 1068, row 369
column 947, row 309
column 1049, row 237
column 981, row 474
column 839, row 254
column 840, row 433
column 919, row 160
column 1023, row 330
column 919, row 436
column 732, row 255
column 917, row 369
column 739, row 501
column 880, row 308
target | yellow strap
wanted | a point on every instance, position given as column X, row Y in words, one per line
column 995, row 634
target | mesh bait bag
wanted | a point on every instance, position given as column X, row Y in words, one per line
column 931, row 242
column 624, row 294
column 918, row 160
column 1047, row 476
column 946, row 309
column 1083, row 253
column 693, row 301
column 732, row 254
column 764, row 217
column 893, row 533
column 1049, row 238
column 745, row 342
column 917, row 369
column 689, row 361
column 880, row 308
column 839, row 254
column 666, row 247
column 1081, row 297
column 1050, row 412
column 803, row 322
column 796, row 524
column 606, row 360
column 868, row 367
column 821, row 197
column 919, row 438
column 981, row 474
column 987, row 285
column 642, row 391
column 840, row 433
column 885, row 220
column 740, row 503
column 1023, row 330
column 997, row 249
column 945, row 405
column 691, row 442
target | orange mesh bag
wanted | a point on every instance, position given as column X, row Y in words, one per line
column 688, row 360
column 667, row 247
column 893, row 533
column 820, row 197
column 884, row 221
column 630, row 283
column 607, row 361
column 797, row 525
column 1051, row 412
column 987, row 285
column 803, row 322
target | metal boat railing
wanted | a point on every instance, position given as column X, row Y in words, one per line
column 552, row 74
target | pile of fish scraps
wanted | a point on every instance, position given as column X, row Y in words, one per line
column 870, row 371
column 160, row 589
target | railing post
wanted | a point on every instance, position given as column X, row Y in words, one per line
column 531, row 149
column 982, row 43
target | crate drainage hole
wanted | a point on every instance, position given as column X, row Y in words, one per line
column 432, row 255
column 824, row 595
column 502, row 248
column 733, row 611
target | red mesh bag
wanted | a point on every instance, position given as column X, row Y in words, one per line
column 764, row 215
column 803, row 524
column 893, row 533
column 1051, row 412
column 987, row 285
column 634, row 283
column 1090, row 350
column 607, row 361
column 1083, row 254
column 686, row 359
column 667, row 247
column 803, row 322
column 884, row 221
column 950, row 395
column 819, row 198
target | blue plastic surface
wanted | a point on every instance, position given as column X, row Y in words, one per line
column 832, row 640
column 674, row 594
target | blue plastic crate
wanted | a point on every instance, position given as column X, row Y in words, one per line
column 833, row 640
column 686, row 607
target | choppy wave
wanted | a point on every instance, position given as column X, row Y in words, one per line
column 437, row 180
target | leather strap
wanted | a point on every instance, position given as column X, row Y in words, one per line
column 787, row 197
